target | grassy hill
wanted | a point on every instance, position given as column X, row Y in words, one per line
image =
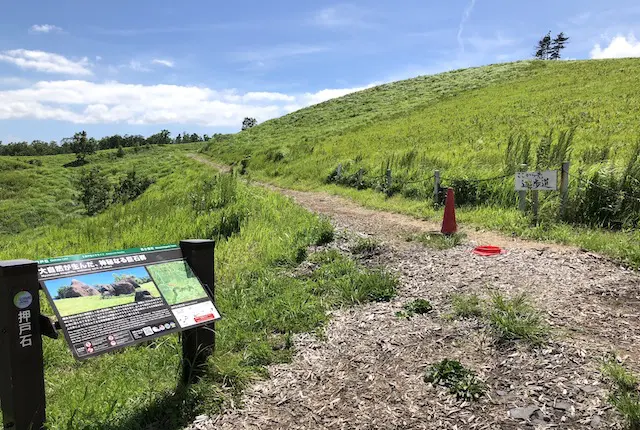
column 36, row 191
column 472, row 124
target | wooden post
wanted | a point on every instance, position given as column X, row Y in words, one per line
column 339, row 171
column 360, row 173
column 522, row 195
column 564, row 188
column 388, row 183
column 22, row 395
column 436, row 186
column 535, row 202
column 198, row 343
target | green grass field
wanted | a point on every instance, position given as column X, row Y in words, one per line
column 78, row 305
column 260, row 236
column 32, row 195
column 177, row 282
column 460, row 123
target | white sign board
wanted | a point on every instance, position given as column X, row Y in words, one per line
column 544, row 181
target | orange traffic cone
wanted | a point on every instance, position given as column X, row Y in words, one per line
column 449, row 220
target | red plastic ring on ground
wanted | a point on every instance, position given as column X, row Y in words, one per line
column 488, row 250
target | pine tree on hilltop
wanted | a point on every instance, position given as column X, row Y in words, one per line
column 558, row 44
column 543, row 47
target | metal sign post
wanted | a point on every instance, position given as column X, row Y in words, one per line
column 21, row 363
column 535, row 181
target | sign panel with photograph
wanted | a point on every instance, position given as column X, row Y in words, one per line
column 106, row 301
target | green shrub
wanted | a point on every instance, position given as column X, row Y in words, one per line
column 514, row 319
column 459, row 380
column 95, row 191
column 130, row 187
column 466, row 306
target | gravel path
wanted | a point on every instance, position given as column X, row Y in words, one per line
column 367, row 372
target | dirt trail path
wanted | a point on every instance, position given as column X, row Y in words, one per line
column 367, row 373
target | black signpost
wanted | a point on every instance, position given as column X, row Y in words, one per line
column 103, row 302
column 198, row 343
column 21, row 367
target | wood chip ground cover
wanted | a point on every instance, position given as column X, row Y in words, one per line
column 367, row 371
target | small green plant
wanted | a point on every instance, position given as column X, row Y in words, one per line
column 438, row 240
column 364, row 245
column 515, row 319
column 460, row 381
column 418, row 306
column 466, row 305
column 626, row 393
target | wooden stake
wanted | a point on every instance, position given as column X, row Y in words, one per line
column 522, row 195
column 436, row 186
column 564, row 188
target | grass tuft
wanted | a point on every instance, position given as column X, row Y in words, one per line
column 438, row 240
column 347, row 283
column 459, row 380
column 626, row 393
column 364, row 245
column 466, row 306
column 516, row 319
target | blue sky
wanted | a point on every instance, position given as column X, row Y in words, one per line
column 139, row 66
column 94, row 279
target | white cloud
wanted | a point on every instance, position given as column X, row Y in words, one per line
column 45, row 28
column 465, row 17
column 167, row 63
column 619, row 47
column 85, row 102
column 137, row 66
column 277, row 52
column 98, row 58
column 46, row 62
column 344, row 15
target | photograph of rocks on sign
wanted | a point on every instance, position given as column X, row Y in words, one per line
column 78, row 294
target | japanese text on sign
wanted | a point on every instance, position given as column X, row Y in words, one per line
column 24, row 328
column 543, row 181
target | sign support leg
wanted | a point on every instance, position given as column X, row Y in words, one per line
column 198, row 343
column 21, row 362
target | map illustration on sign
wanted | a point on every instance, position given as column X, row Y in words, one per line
column 78, row 294
column 177, row 282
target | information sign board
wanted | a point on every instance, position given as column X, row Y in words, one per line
column 106, row 301
column 543, row 181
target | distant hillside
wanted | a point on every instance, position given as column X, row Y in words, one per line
column 458, row 122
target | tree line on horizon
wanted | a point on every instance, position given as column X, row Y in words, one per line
column 86, row 145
